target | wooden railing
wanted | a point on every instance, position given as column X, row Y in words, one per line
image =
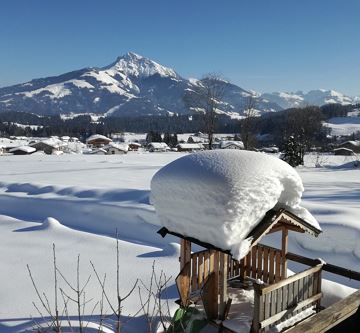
column 201, row 267
column 262, row 262
column 279, row 301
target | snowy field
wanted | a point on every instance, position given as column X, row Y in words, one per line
column 343, row 125
column 89, row 197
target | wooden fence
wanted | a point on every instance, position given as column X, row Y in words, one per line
column 262, row 262
column 279, row 301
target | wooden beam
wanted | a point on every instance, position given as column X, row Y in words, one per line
column 284, row 250
column 185, row 252
column 291, row 279
column 326, row 267
column 223, row 283
column 330, row 317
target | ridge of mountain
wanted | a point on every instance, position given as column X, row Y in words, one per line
column 134, row 85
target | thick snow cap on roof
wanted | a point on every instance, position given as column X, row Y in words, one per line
column 219, row 196
column 96, row 137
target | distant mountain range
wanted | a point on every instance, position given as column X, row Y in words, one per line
column 134, row 85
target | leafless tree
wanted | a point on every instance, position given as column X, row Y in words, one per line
column 117, row 308
column 55, row 324
column 247, row 124
column 207, row 97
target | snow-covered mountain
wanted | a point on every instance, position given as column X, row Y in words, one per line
column 135, row 85
column 314, row 97
column 132, row 85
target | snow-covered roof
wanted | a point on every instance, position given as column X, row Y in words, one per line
column 224, row 144
column 96, row 137
column 190, row 146
column 352, row 143
column 220, row 196
column 158, row 145
column 26, row 149
column 120, row 146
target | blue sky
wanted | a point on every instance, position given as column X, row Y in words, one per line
column 267, row 45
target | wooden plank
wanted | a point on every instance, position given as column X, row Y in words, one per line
column 206, row 265
column 292, row 278
column 284, row 250
column 273, row 302
column 271, row 266
column 296, row 296
column 253, row 262
column 248, row 264
column 209, row 297
column 185, row 252
column 266, row 265
column 277, row 266
column 330, row 317
column 200, row 269
column 194, row 273
column 242, row 268
column 279, row 298
column 311, row 285
column 183, row 285
column 285, row 313
column 258, row 315
column 267, row 305
column 216, row 283
column 223, row 283
column 259, row 264
column 306, row 286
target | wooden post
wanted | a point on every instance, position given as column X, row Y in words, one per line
column 284, row 250
column 185, row 252
column 223, row 284
column 184, row 278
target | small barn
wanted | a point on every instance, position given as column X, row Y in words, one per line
column 48, row 146
column 134, row 146
column 97, row 140
column 22, row 150
column 228, row 202
column 189, row 147
column 343, row 151
column 116, row 149
column 157, row 147
column 231, row 145
column 353, row 145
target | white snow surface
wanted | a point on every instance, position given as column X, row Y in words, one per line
column 89, row 196
column 219, row 196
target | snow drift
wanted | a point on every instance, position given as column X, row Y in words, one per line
column 219, row 196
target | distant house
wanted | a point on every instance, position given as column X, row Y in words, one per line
column 197, row 139
column 98, row 140
column 116, row 149
column 353, row 145
column 271, row 150
column 189, row 147
column 134, row 146
column 231, row 145
column 96, row 151
column 157, row 147
column 22, row 150
column 343, row 151
column 48, row 146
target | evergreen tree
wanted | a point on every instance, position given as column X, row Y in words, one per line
column 293, row 152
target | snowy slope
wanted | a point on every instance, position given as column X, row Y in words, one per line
column 314, row 97
column 132, row 85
